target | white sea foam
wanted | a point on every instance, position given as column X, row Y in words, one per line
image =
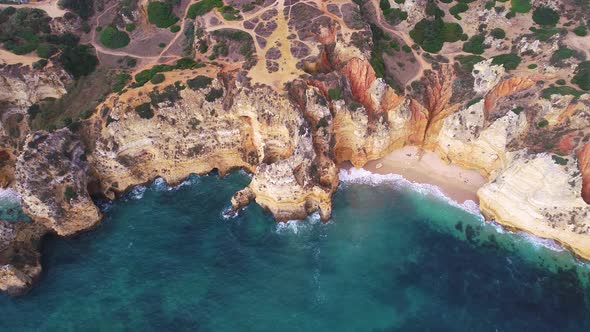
column 137, row 192
column 541, row 242
column 360, row 175
column 363, row 176
column 9, row 196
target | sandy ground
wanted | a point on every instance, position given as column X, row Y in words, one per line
column 50, row 6
column 9, row 58
column 426, row 167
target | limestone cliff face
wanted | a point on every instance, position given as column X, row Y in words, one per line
column 22, row 86
column 52, row 179
column 256, row 129
column 20, row 260
column 535, row 194
column 584, row 164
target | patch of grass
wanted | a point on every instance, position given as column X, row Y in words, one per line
column 113, row 38
column 145, row 111
column 158, row 78
column 510, row 61
column 203, row 7
column 160, row 14
column 582, row 76
column 199, row 82
column 545, row 16
column 543, row 34
column 335, row 93
column 560, row 90
column 521, row 6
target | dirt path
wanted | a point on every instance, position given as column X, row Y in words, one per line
column 405, row 37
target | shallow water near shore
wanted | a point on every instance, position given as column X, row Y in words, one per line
column 392, row 258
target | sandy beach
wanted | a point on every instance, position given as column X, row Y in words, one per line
column 426, row 167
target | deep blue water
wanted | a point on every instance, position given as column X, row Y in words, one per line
column 391, row 259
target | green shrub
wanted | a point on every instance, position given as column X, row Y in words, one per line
column 474, row 45
column 532, row 66
column 459, row 8
column 517, row 110
column 203, row 7
column 581, row 31
column 560, row 90
column 394, row 16
column 199, row 82
column 145, row 111
column 545, row 16
column 113, row 38
column 160, row 14
column 120, row 82
column 432, row 34
column 40, row 64
column 84, row 8
column 69, row 192
column 162, row 45
column 129, row 27
column 175, row 28
column 406, row 49
column 214, row 94
column 521, row 6
column 561, row 81
column 46, row 51
column 384, row 4
column 473, row 102
column 559, row 160
column 510, row 14
column 542, row 123
column 468, row 61
column 158, row 78
column 78, row 60
column 498, row 33
column 335, row 93
column 510, row 61
column 582, row 76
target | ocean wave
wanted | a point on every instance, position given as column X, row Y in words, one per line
column 362, row 176
column 541, row 242
column 136, row 193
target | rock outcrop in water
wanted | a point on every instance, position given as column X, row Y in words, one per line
column 52, row 178
column 20, row 260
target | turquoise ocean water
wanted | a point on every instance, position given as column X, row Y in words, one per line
column 394, row 257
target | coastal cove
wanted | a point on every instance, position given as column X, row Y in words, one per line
column 407, row 257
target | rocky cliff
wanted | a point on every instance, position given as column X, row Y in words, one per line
column 20, row 260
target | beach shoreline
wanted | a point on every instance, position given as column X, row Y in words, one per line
column 420, row 166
